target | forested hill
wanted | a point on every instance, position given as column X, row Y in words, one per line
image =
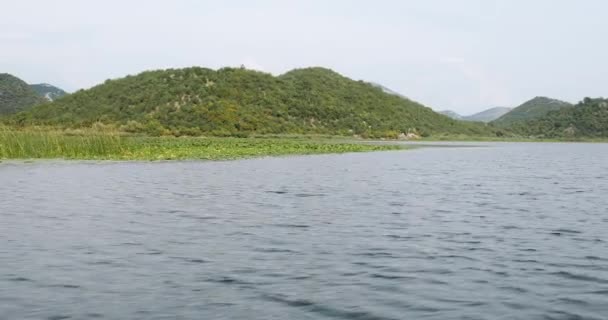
column 587, row 119
column 529, row 110
column 233, row 101
column 16, row 95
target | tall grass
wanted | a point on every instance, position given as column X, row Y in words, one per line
column 37, row 144
column 94, row 145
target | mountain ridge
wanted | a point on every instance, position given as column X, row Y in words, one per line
column 452, row 114
column 48, row 91
column 487, row 115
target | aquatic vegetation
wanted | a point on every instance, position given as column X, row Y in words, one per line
column 52, row 144
column 46, row 144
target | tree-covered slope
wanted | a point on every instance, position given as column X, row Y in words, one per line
column 532, row 109
column 233, row 101
column 588, row 118
column 47, row 91
column 16, row 95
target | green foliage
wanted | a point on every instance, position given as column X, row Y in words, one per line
column 240, row 102
column 45, row 144
column 588, row 118
column 16, row 95
column 530, row 110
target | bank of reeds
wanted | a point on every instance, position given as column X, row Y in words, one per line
column 38, row 144
column 108, row 145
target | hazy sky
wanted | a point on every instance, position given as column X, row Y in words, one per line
column 463, row 55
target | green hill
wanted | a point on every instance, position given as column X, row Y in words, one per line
column 588, row 118
column 16, row 95
column 49, row 92
column 233, row 101
column 532, row 109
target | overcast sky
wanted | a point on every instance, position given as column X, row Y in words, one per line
column 464, row 55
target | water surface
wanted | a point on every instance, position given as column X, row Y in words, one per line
column 505, row 231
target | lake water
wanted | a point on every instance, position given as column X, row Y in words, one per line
column 503, row 231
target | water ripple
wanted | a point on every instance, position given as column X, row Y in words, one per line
column 510, row 230
column 324, row 310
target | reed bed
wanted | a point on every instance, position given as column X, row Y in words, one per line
column 34, row 144
column 48, row 144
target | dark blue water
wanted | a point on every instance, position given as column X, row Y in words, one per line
column 508, row 231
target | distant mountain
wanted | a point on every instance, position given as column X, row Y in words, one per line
column 237, row 101
column 484, row 116
column 530, row 110
column 488, row 115
column 16, row 95
column 588, row 118
column 49, row 92
column 389, row 91
column 451, row 114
